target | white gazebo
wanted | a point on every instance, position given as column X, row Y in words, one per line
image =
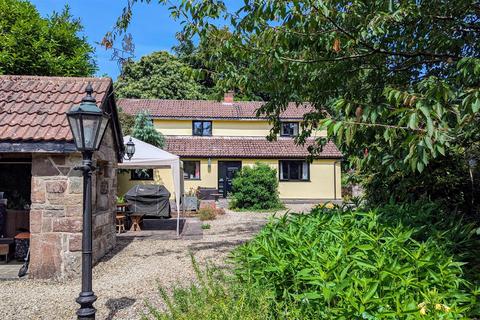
column 147, row 156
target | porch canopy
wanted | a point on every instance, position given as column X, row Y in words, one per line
column 148, row 156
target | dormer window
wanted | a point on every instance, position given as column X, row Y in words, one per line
column 202, row 128
column 289, row 129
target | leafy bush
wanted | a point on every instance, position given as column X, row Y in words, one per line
column 455, row 233
column 256, row 188
column 445, row 181
column 206, row 226
column 214, row 297
column 354, row 265
column 207, row 213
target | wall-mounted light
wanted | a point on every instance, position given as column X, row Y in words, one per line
column 209, row 165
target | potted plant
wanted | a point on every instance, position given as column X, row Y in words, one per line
column 190, row 199
column 121, row 200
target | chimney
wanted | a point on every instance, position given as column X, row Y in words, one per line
column 228, row 97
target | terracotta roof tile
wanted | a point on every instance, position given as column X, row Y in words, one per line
column 204, row 109
column 34, row 108
column 243, row 147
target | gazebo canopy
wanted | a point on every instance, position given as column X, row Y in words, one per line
column 148, row 156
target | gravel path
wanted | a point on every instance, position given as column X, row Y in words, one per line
column 128, row 277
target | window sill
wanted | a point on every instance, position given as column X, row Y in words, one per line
column 185, row 179
column 295, row 180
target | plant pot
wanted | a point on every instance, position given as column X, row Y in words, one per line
column 190, row 203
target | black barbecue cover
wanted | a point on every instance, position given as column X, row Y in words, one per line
column 152, row 200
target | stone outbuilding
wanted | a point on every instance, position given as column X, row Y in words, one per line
column 37, row 158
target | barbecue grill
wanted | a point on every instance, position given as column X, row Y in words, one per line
column 151, row 200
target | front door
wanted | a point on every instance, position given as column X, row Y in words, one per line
column 226, row 172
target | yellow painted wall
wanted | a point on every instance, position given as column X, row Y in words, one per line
column 173, row 127
column 241, row 128
column 229, row 128
column 320, row 186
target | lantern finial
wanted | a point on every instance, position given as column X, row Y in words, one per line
column 89, row 91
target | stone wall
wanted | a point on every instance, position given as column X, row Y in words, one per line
column 56, row 211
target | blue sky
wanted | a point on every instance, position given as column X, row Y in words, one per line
column 152, row 27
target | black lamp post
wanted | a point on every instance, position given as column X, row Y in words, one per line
column 88, row 124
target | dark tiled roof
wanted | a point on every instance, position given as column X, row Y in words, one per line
column 243, row 147
column 34, row 108
column 204, row 109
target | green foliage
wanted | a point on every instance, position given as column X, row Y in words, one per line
column 400, row 79
column 202, row 58
column 127, row 122
column 334, row 264
column 215, row 296
column 30, row 44
column 206, row 226
column 459, row 235
column 158, row 75
column 145, row 131
column 256, row 188
column 121, row 200
column 446, row 181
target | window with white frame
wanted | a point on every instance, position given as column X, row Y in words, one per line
column 191, row 170
column 294, row 170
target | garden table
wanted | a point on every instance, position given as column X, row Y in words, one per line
column 136, row 218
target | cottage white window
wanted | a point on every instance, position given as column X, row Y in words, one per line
column 191, row 170
column 289, row 129
column 294, row 170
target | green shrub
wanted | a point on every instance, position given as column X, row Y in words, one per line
column 256, row 188
column 206, row 226
column 452, row 231
column 207, row 213
column 215, row 296
column 352, row 265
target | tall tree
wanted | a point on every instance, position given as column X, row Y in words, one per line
column 204, row 57
column 158, row 75
column 400, row 78
column 144, row 130
column 30, row 44
column 127, row 121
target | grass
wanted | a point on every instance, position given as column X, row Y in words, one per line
column 213, row 296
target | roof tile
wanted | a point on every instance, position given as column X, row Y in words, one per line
column 34, row 108
column 244, row 147
column 205, row 109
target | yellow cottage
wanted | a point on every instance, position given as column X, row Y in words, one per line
column 216, row 139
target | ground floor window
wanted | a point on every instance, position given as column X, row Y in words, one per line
column 141, row 174
column 294, row 170
column 191, row 170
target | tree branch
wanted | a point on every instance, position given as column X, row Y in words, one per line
column 387, row 52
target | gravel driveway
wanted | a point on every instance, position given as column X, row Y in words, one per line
column 128, row 277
